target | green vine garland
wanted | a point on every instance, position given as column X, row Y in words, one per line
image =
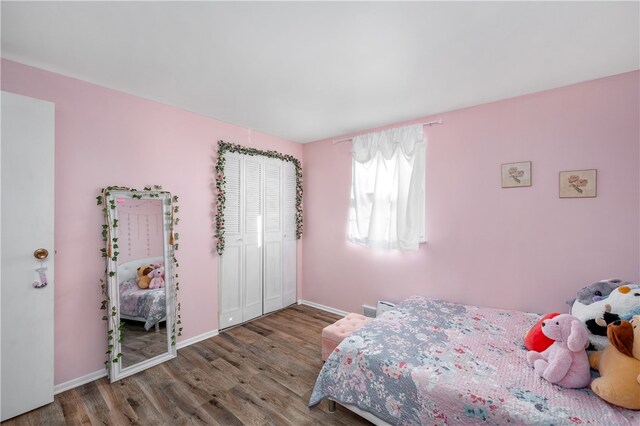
column 110, row 252
column 224, row 147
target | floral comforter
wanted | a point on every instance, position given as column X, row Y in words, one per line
column 434, row 362
column 149, row 304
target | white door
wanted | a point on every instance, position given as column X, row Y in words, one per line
column 258, row 266
column 241, row 262
column 272, row 235
column 27, row 181
column 289, row 254
column 252, row 238
column 231, row 265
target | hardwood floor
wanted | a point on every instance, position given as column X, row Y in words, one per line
column 260, row 373
column 140, row 344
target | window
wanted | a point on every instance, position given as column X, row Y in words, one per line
column 387, row 189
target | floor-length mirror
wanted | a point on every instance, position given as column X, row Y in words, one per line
column 140, row 280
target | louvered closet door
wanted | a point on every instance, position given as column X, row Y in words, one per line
column 231, row 261
column 258, row 267
column 252, row 223
column 289, row 254
column 272, row 235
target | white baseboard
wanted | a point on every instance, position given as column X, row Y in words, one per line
column 324, row 308
column 196, row 339
column 88, row 378
column 83, row 380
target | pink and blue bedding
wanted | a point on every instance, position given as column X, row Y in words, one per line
column 434, row 362
column 149, row 304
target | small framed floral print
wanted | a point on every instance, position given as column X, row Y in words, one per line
column 578, row 184
column 515, row 175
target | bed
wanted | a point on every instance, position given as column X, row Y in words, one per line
column 144, row 305
column 434, row 362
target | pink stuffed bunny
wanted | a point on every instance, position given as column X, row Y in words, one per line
column 565, row 362
column 156, row 278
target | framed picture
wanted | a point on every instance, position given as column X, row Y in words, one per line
column 515, row 175
column 578, row 184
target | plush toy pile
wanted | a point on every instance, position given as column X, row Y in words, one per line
column 599, row 320
column 150, row 276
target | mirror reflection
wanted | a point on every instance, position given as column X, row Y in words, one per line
column 141, row 279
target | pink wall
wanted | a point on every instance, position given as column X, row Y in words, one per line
column 105, row 137
column 520, row 248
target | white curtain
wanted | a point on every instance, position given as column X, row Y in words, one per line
column 387, row 189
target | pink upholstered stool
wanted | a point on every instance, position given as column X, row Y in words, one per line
column 335, row 333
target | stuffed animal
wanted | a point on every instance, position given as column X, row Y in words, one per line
column 619, row 365
column 623, row 301
column 596, row 291
column 598, row 326
column 143, row 279
column 535, row 340
column 156, row 278
column 565, row 362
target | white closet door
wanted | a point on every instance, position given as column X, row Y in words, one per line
column 231, row 261
column 252, row 224
column 258, row 267
column 272, row 235
column 289, row 254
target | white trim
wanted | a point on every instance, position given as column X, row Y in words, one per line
column 190, row 341
column 79, row 381
column 88, row 378
column 147, row 363
column 324, row 308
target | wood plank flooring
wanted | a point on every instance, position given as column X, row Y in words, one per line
column 140, row 344
column 260, row 373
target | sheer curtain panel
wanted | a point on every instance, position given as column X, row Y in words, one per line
column 387, row 189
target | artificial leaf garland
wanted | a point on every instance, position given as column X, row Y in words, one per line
column 110, row 252
column 224, row 147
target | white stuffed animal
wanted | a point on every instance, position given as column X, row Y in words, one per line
column 623, row 300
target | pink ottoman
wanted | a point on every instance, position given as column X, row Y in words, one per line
column 333, row 334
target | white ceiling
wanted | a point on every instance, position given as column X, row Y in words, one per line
column 307, row 71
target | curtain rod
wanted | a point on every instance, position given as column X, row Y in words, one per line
column 429, row 123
